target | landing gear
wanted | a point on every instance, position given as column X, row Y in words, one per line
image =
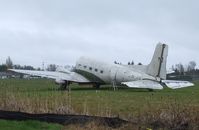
column 97, row 86
column 65, row 86
column 150, row 90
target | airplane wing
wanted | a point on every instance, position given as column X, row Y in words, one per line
column 175, row 84
column 143, row 84
column 170, row 72
column 68, row 76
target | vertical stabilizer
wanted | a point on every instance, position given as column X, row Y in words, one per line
column 157, row 67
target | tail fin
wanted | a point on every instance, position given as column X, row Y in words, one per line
column 157, row 67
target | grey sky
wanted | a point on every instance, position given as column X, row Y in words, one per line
column 60, row 31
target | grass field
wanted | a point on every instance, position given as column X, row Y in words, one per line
column 28, row 125
column 41, row 96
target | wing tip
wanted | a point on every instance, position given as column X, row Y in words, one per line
column 175, row 84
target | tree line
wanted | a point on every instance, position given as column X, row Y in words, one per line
column 10, row 65
column 187, row 69
column 129, row 63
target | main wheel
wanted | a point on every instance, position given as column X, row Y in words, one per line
column 150, row 90
column 63, row 87
column 97, row 86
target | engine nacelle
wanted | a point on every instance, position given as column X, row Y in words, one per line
column 59, row 81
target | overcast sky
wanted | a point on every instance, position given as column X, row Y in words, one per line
column 60, row 31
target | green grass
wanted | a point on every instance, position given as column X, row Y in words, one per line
column 28, row 125
column 43, row 96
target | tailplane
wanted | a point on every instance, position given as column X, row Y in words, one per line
column 157, row 67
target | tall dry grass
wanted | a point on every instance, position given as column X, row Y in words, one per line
column 170, row 115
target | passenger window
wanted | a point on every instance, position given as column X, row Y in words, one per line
column 85, row 67
column 96, row 70
column 90, row 68
column 101, row 71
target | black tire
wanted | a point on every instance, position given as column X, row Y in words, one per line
column 97, row 86
column 150, row 90
column 63, row 87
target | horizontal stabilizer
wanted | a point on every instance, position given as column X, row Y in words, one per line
column 175, row 84
column 143, row 84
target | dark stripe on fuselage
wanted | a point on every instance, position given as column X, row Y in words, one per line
column 90, row 76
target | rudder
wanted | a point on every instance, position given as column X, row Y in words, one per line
column 157, row 67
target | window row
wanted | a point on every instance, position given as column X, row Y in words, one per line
column 90, row 68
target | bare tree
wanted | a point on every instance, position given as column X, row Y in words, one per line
column 9, row 63
column 28, row 67
column 180, row 68
column 191, row 66
column 51, row 67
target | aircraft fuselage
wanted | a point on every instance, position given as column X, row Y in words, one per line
column 103, row 73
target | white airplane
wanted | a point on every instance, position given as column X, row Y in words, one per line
column 89, row 71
